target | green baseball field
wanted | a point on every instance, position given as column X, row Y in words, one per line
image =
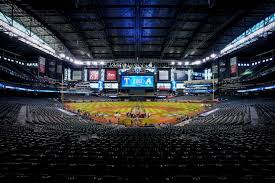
column 156, row 112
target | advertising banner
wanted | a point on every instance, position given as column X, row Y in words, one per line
column 111, row 75
column 110, row 85
column 42, row 65
column 181, row 75
column 59, row 68
column 233, row 65
column 163, row 75
column 77, row 75
column 93, row 75
column 163, row 86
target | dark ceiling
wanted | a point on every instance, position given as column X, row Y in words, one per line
column 157, row 29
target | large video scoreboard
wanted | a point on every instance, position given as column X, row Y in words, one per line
column 134, row 81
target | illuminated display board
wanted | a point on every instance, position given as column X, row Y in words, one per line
column 111, row 85
column 163, row 86
column 94, row 75
column 137, row 81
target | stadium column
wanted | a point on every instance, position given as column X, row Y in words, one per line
column 69, row 74
column 172, row 74
column 102, row 74
column 102, row 78
column 205, row 74
column 190, row 71
column 62, row 90
column 85, row 74
column 213, row 90
column 155, row 79
column 173, row 82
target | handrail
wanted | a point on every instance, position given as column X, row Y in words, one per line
column 10, row 52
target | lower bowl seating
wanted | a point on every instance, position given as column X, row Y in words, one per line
column 52, row 146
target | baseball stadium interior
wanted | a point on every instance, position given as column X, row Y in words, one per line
column 137, row 91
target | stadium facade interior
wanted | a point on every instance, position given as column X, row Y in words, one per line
column 137, row 91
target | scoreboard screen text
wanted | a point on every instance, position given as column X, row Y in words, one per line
column 137, row 81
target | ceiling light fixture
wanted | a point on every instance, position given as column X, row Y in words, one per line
column 213, row 55
column 62, row 55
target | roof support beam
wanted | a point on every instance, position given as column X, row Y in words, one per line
column 193, row 36
column 100, row 19
column 236, row 16
column 137, row 28
column 179, row 22
column 36, row 21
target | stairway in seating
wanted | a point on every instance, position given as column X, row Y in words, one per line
column 253, row 116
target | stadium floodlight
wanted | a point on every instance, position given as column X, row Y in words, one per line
column 213, row 55
column 203, row 60
column 251, row 35
column 101, row 63
column 207, row 58
column 78, row 62
column 197, row 62
column 88, row 63
column 62, row 55
column 271, row 59
column 179, row 63
column 94, row 63
column 71, row 60
column 172, row 63
column 186, row 63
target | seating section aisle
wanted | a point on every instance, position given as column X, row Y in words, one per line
column 9, row 112
column 55, row 147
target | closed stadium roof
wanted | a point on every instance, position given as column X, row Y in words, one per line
column 157, row 29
